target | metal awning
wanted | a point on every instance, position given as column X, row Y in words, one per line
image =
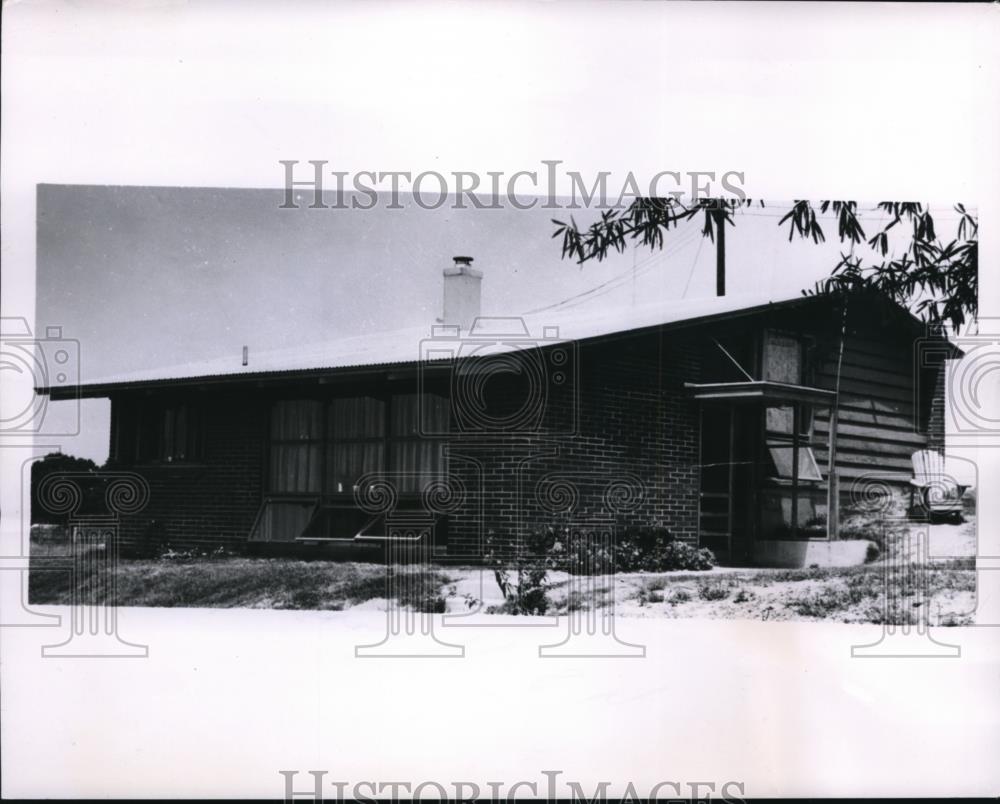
column 760, row 391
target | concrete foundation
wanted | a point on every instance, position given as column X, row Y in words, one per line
column 802, row 554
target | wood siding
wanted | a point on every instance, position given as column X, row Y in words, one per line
column 878, row 424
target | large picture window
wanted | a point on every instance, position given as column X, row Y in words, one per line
column 296, row 444
column 356, row 441
column 417, row 458
column 323, row 447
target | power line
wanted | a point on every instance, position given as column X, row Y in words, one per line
column 682, row 240
column 618, row 282
column 650, row 264
column 694, row 264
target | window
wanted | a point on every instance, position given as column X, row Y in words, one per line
column 356, row 445
column 170, row 432
column 418, row 459
column 782, row 358
column 296, row 443
column 792, row 501
column 782, row 457
column 322, row 447
column 781, row 445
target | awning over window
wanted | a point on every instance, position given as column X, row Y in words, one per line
column 282, row 519
column 760, row 391
column 339, row 522
column 305, row 519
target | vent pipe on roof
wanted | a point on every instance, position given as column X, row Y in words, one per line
column 246, row 355
column 462, row 293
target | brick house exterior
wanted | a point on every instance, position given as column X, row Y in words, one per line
column 618, row 429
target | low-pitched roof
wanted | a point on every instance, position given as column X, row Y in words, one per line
column 420, row 344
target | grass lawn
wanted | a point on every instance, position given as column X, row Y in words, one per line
column 852, row 594
column 849, row 595
column 228, row 582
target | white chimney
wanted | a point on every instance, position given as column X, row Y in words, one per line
column 462, row 293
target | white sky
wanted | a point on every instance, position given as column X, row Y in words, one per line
column 170, row 94
column 149, row 277
column 864, row 101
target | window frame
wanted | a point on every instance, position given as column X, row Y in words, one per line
column 387, row 395
column 318, row 441
column 330, row 440
column 151, row 442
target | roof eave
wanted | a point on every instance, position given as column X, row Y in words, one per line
column 105, row 389
column 258, row 379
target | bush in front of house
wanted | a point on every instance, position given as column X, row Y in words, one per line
column 644, row 548
column 522, row 575
column 713, row 591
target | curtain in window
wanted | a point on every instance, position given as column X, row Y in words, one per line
column 175, row 434
column 356, row 431
column 169, row 431
column 357, row 417
column 358, row 440
column 416, row 456
column 419, row 415
column 296, row 434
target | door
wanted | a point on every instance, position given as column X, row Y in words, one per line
column 730, row 443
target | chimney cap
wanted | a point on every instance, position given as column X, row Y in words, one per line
column 462, row 260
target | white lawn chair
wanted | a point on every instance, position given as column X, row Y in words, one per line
column 940, row 494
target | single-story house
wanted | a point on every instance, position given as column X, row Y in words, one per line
column 714, row 417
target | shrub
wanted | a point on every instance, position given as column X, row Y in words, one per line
column 644, row 548
column 684, row 556
column 523, row 577
column 649, row 594
column 423, row 593
column 193, row 553
column 429, row 603
column 680, row 596
column 713, row 591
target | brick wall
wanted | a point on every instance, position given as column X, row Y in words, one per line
column 617, row 442
column 211, row 502
column 618, row 446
